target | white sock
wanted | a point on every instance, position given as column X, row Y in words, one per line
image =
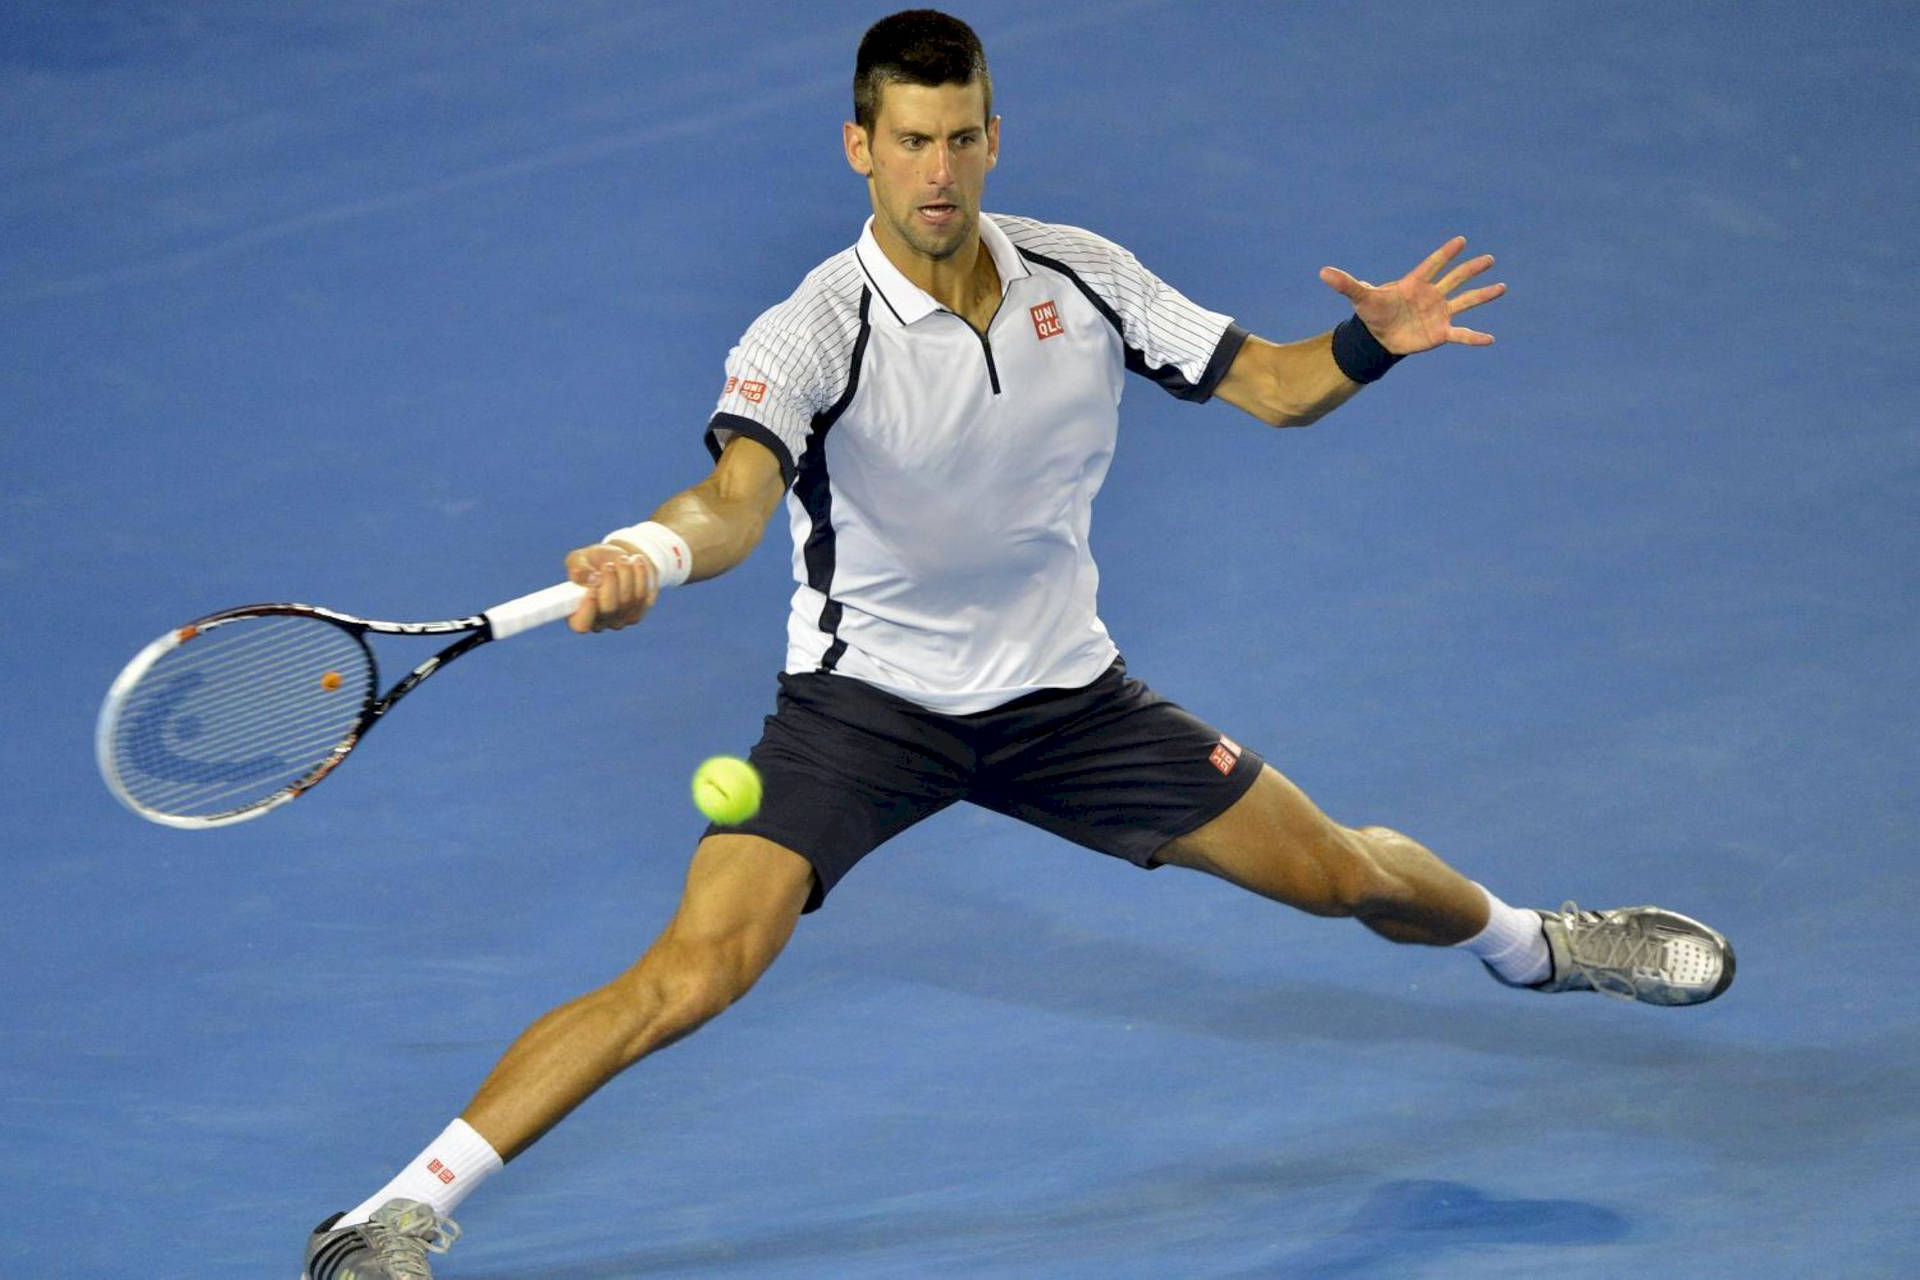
column 1512, row 944
column 441, row 1176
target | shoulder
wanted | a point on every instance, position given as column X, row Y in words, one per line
column 804, row 345
column 1106, row 272
column 1057, row 244
column 825, row 304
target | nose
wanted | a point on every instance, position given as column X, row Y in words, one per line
column 941, row 171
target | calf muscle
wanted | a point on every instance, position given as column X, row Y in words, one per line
column 742, row 899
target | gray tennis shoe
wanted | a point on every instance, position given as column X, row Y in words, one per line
column 1647, row 954
column 391, row 1245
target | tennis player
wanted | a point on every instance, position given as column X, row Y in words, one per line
column 937, row 407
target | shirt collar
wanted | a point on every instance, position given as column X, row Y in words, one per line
column 908, row 301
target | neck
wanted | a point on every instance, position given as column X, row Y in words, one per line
column 961, row 282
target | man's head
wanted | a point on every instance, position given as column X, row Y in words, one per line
column 917, row 46
column 924, row 135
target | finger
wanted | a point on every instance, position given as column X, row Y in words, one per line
column 1342, row 283
column 580, row 571
column 1469, row 337
column 611, row 590
column 609, row 596
column 1474, row 297
column 1437, row 260
column 649, row 586
column 1463, row 273
column 594, row 561
column 636, row 582
column 580, row 566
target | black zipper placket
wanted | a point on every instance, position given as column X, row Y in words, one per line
column 993, row 373
column 986, row 346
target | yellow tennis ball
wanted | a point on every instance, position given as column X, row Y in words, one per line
column 727, row 790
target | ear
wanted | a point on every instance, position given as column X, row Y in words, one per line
column 993, row 142
column 859, row 148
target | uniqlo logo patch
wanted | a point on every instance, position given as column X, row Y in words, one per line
column 754, row 391
column 1046, row 321
column 439, row 1171
column 1226, row 754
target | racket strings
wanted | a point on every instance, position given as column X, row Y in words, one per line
column 240, row 712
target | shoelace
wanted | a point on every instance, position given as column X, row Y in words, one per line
column 1607, row 954
column 403, row 1245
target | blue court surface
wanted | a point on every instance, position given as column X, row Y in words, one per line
column 386, row 306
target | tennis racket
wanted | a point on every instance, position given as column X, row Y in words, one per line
column 236, row 713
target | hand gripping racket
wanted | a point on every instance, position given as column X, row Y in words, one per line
column 238, row 712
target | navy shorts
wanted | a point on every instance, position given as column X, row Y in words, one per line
column 1112, row 766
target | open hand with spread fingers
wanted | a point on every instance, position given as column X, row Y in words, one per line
column 1416, row 312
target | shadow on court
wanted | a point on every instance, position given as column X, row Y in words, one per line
column 1404, row 1224
column 1749, row 1103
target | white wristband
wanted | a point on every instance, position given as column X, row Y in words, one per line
column 672, row 558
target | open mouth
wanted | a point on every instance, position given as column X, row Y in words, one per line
column 939, row 212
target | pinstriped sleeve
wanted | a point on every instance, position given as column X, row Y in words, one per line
column 786, row 370
column 1169, row 338
column 772, row 392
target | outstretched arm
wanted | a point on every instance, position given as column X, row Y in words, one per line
column 1295, row 383
column 719, row 520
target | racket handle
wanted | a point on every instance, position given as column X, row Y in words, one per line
column 535, row 610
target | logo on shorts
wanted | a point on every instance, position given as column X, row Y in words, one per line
column 1046, row 321
column 439, row 1171
column 1226, row 754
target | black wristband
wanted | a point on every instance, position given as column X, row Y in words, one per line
column 1359, row 354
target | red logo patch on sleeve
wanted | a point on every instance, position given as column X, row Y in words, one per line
column 1046, row 321
column 731, row 384
column 754, row 391
column 1226, row 754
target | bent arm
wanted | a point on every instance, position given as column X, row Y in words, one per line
column 720, row 521
column 723, row 517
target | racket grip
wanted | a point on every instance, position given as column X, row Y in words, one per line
column 535, row 610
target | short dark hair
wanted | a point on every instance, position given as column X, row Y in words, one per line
column 916, row 46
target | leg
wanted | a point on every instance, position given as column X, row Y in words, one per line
column 742, row 898
column 840, row 781
column 1277, row 843
column 846, row 768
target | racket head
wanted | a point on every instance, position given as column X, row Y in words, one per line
column 234, row 714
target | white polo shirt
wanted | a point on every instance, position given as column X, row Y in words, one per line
column 943, row 481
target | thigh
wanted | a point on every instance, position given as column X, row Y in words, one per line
column 844, row 769
column 735, row 880
column 742, row 897
column 1115, row 767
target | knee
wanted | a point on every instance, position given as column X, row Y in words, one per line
column 678, row 986
column 696, row 982
column 1358, row 871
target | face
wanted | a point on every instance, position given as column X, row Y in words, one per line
column 926, row 165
